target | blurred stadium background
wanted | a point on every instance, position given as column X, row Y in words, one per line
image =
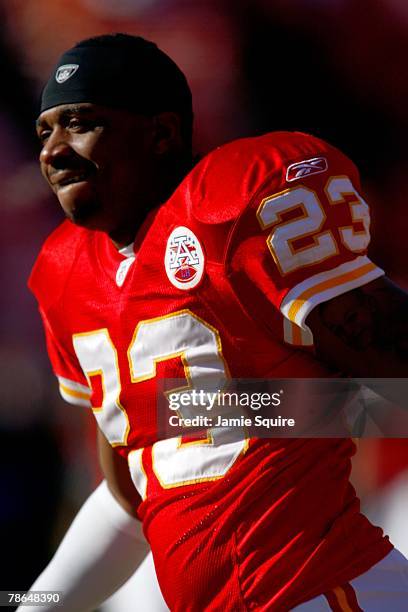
column 335, row 68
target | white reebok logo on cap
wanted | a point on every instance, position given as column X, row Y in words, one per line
column 65, row 72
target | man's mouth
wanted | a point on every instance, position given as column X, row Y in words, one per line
column 72, row 179
column 64, row 178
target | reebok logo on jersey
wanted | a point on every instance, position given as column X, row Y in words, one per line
column 184, row 258
column 65, row 72
column 316, row 165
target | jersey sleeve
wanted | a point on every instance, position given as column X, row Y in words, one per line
column 302, row 239
column 72, row 383
column 47, row 282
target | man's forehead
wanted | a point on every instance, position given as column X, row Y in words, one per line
column 66, row 110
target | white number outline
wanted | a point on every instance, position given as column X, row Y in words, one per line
column 359, row 209
column 164, row 452
column 115, row 410
column 314, row 217
column 310, row 203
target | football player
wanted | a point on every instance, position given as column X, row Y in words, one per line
column 255, row 266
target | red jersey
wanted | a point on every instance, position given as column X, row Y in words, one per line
column 220, row 284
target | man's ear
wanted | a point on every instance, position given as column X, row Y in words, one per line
column 167, row 133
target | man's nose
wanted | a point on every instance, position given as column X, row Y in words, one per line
column 55, row 148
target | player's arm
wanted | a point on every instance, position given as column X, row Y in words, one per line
column 364, row 332
column 103, row 546
column 116, row 472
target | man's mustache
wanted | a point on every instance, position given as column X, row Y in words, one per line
column 71, row 165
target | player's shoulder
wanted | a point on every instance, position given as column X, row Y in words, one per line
column 224, row 182
column 272, row 147
column 66, row 236
column 55, row 259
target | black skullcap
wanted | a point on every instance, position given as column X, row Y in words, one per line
column 119, row 71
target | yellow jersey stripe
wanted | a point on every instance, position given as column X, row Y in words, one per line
column 342, row 599
column 328, row 284
column 72, row 393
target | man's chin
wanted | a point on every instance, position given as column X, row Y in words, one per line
column 86, row 215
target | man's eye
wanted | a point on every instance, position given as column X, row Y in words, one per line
column 79, row 124
column 44, row 135
column 74, row 124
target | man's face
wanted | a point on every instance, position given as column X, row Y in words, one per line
column 99, row 162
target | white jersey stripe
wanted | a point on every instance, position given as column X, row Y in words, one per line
column 74, row 386
column 74, row 398
column 137, row 471
column 321, row 287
